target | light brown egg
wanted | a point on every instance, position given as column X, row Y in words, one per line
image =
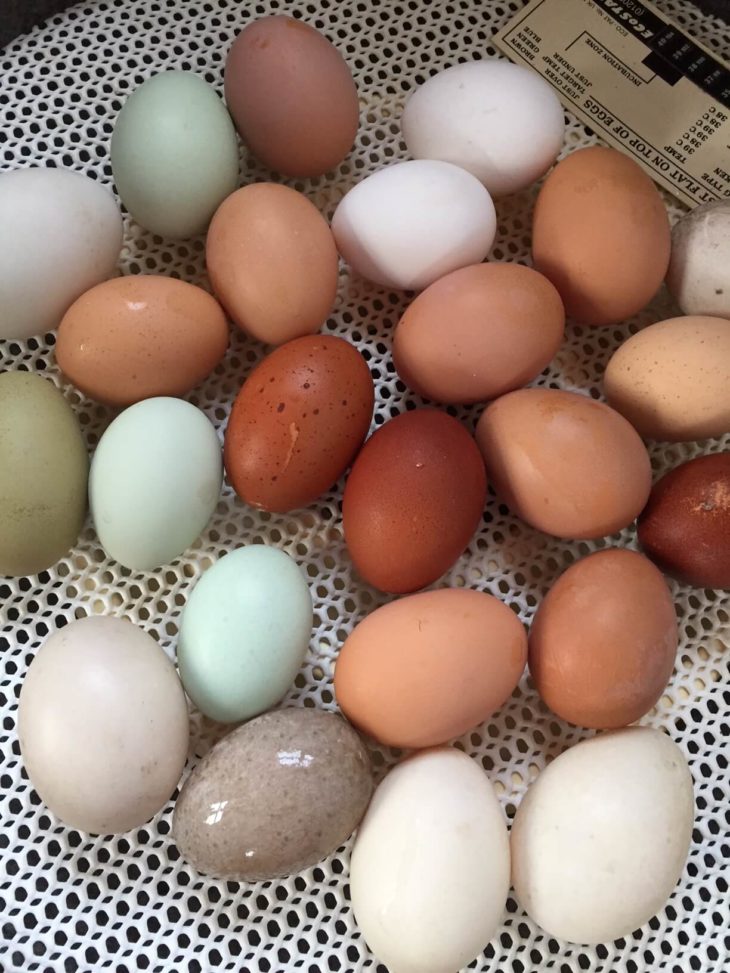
column 603, row 642
column 298, row 422
column 600, row 233
column 478, row 332
column 413, row 499
column 141, row 336
column 272, row 262
column 291, row 96
column 564, row 463
column 427, row 668
column 672, row 380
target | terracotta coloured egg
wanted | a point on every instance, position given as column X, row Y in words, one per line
column 141, row 336
column 413, row 500
column 603, row 642
column 298, row 421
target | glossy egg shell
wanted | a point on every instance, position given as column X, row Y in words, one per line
column 413, row 500
column 298, row 422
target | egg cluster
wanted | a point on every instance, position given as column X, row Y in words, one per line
column 427, row 667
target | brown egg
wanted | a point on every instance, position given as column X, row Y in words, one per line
column 427, row 668
column 298, row 422
column 413, row 500
column 600, row 233
column 603, row 641
column 291, row 96
column 568, row 465
column 140, row 336
column 672, row 379
column 478, row 332
column 685, row 526
column 272, row 262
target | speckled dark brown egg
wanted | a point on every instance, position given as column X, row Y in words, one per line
column 685, row 526
column 413, row 500
column 298, row 422
column 276, row 795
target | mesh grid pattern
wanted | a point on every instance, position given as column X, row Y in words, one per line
column 70, row 903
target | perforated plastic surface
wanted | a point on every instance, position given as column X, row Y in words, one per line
column 68, row 902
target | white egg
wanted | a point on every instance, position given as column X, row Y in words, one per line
column 699, row 269
column 61, row 234
column 410, row 223
column 601, row 838
column 154, row 483
column 429, row 874
column 501, row 122
column 103, row 725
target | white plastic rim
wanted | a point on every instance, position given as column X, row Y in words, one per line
column 71, row 903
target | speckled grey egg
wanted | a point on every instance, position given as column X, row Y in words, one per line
column 276, row 795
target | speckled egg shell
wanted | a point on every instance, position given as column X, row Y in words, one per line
column 274, row 796
column 297, row 423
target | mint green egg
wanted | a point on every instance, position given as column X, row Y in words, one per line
column 244, row 633
column 174, row 154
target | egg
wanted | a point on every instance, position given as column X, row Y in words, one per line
column 566, row 464
column 103, row 725
column 244, row 633
column 600, row 233
column 427, row 668
column 297, row 423
column 174, row 154
column 672, row 379
column 429, row 872
column 292, row 96
column 698, row 277
column 272, row 262
column 478, row 332
column 44, row 468
column 136, row 337
column 501, row 122
column 603, row 642
column 601, row 838
column 155, row 481
column 413, row 222
column 685, row 526
column 273, row 796
column 62, row 233
column 413, row 500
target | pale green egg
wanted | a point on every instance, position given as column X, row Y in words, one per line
column 174, row 154
column 244, row 633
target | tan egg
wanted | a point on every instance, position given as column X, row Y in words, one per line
column 478, row 332
column 564, row 463
column 427, row 668
column 291, row 96
column 672, row 380
column 600, row 233
column 272, row 262
column 141, row 336
column 603, row 642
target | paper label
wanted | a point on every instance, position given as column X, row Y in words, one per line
column 638, row 82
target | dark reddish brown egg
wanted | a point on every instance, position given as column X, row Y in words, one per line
column 298, row 422
column 603, row 642
column 685, row 526
column 413, row 500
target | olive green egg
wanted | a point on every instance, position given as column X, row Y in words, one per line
column 174, row 154
column 44, row 469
